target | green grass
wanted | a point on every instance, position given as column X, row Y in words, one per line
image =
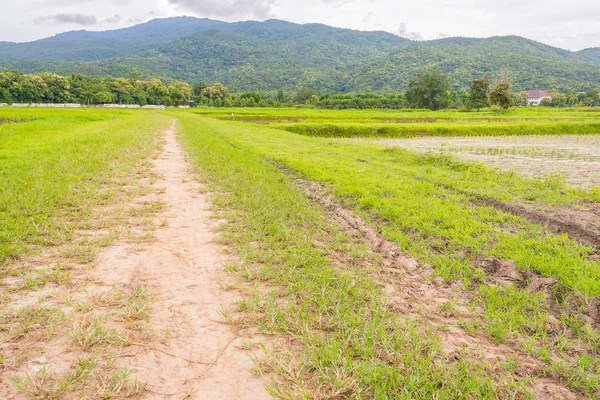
column 353, row 346
column 67, row 179
column 302, row 277
column 446, row 129
column 57, row 166
column 426, row 203
column 413, row 123
column 311, row 115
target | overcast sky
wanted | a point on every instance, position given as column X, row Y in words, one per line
column 573, row 24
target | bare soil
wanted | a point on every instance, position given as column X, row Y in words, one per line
column 582, row 224
column 184, row 267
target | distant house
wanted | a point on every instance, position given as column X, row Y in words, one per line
column 536, row 96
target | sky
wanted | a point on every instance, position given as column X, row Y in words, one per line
column 573, row 24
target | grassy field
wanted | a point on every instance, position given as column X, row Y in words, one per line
column 67, row 178
column 352, row 346
column 426, row 200
column 56, row 165
column 418, row 123
column 501, row 303
column 435, row 208
column 310, row 115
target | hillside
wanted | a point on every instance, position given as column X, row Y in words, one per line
column 531, row 64
column 83, row 45
column 276, row 54
column 262, row 56
column 592, row 54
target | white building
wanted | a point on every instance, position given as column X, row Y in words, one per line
column 536, row 96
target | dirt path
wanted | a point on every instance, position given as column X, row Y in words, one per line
column 183, row 269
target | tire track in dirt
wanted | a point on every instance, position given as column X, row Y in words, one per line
column 412, row 292
column 581, row 225
column 197, row 355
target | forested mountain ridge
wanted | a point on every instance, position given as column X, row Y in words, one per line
column 592, row 54
column 531, row 64
column 276, row 54
column 263, row 56
column 78, row 46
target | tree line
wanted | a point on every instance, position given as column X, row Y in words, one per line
column 429, row 89
column 17, row 87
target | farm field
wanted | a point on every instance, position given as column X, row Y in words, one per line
column 542, row 142
column 155, row 254
column 576, row 158
column 93, row 253
column 507, row 263
column 417, row 123
column 66, row 179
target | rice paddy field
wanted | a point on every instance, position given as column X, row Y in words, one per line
column 574, row 158
column 376, row 254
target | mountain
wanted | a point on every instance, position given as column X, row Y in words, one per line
column 531, row 65
column 262, row 56
column 84, row 45
column 277, row 54
column 592, row 54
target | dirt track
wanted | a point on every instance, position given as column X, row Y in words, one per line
column 184, row 268
column 176, row 341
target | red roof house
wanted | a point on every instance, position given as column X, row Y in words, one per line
column 536, row 96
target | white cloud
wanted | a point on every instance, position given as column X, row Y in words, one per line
column 115, row 19
column 67, row 19
column 573, row 25
column 404, row 32
column 260, row 9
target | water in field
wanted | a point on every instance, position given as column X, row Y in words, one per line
column 575, row 157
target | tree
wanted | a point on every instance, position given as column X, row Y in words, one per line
column 479, row 95
column 255, row 95
column 558, row 99
column 5, row 83
column 26, row 88
column 198, row 89
column 217, row 91
column 57, row 88
column 140, row 97
column 122, row 89
column 305, row 94
column 180, row 93
column 428, row 90
column 103, row 98
column 280, row 96
column 157, row 92
column 521, row 99
column 459, row 99
column 593, row 97
column 501, row 94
